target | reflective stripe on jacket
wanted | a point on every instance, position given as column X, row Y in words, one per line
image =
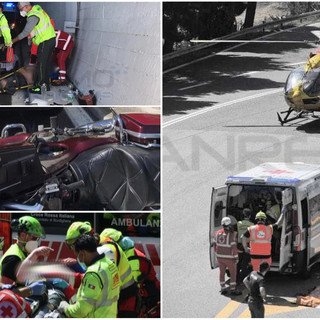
column 44, row 30
column 126, row 276
column 13, row 306
column 14, row 250
column 62, row 40
column 98, row 294
column 4, row 29
column 260, row 239
column 226, row 244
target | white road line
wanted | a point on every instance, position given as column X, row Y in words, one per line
column 295, row 64
column 218, row 106
column 226, row 50
column 194, row 86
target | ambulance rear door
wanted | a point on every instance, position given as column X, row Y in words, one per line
column 217, row 212
column 286, row 232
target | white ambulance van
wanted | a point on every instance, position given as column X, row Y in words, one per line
column 269, row 187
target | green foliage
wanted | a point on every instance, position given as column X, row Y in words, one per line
column 201, row 20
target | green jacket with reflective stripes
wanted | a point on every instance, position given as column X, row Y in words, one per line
column 98, row 294
column 4, row 29
column 44, row 30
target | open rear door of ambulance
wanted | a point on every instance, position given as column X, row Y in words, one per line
column 217, row 212
column 286, row 232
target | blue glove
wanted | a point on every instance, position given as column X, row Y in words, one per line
column 7, row 286
column 37, row 288
column 59, row 283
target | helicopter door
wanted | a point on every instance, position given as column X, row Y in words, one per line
column 286, row 232
column 217, row 212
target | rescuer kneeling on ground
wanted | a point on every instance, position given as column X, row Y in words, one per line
column 225, row 246
column 257, row 292
column 260, row 239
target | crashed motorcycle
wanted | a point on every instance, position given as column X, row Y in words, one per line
column 112, row 164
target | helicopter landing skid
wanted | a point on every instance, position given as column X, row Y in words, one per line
column 287, row 119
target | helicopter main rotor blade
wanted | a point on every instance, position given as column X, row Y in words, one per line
column 254, row 41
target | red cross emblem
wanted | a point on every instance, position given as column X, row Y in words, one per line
column 220, row 238
column 279, row 171
column 8, row 310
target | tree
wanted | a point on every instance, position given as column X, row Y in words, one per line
column 251, row 11
column 201, row 20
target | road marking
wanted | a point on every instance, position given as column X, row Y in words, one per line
column 226, row 50
column 218, row 106
column 228, row 309
column 273, row 309
column 194, row 86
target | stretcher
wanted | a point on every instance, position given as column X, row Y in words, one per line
column 17, row 88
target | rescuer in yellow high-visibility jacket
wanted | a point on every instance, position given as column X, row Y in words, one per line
column 99, row 291
column 4, row 28
column 43, row 35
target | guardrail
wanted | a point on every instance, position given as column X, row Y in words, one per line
column 179, row 53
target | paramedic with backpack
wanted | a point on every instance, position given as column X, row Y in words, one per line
column 142, row 269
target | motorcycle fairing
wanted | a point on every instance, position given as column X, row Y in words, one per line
column 20, row 170
column 118, row 177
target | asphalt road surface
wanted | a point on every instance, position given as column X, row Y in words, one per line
column 220, row 119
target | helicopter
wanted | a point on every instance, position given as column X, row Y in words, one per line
column 302, row 87
column 302, row 90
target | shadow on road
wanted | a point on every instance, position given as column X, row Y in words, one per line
column 218, row 76
column 282, row 290
column 310, row 127
column 228, row 72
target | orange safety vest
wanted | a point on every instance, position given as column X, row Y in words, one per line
column 226, row 245
column 260, row 239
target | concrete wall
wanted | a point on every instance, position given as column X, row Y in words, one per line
column 60, row 12
column 117, row 49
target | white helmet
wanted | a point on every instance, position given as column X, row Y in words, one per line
column 226, row 221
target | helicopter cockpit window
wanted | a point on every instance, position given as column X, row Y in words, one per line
column 311, row 82
column 294, row 78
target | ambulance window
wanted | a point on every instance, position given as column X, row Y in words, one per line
column 289, row 217
column 314, row 210
column 218, row 213
column 304, row 207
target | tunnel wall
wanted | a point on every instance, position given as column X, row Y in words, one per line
column 117, row 49
column 60, row 12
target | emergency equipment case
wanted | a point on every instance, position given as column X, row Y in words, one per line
column 142, row 129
